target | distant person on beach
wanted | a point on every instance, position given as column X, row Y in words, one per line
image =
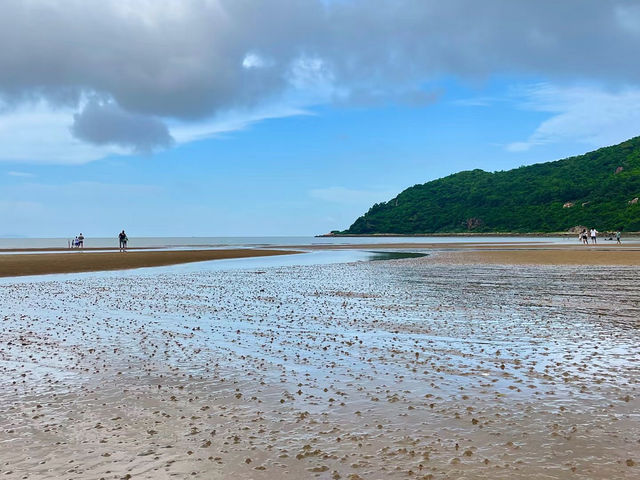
column 594, row 235
column 618, row 235
column 76, row 242
column 583, row 236
column 81, row 241
column 123, row 241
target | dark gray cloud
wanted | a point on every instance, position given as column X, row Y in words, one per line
column 107, row 124
column 189, row 59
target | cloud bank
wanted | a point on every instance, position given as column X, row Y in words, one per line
column 155, row 62
column 106, row 123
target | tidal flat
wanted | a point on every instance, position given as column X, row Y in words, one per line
column 396, row 369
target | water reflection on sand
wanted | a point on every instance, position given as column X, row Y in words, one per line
column 366, row 370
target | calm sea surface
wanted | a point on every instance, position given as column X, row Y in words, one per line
column 227, row 242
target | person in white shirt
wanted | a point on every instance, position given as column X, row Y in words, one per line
column 594, row 235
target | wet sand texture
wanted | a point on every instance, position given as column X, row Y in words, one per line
column 556, row 256
column 402, row 369
column 512, row 253
column 79, row 261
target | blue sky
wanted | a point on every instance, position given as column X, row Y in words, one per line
column 309, row 145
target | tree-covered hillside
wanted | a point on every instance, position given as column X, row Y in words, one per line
column 598, row 189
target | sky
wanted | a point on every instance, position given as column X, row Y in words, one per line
column 291, row 117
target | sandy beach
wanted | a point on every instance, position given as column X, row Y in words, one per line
column 18, row 262
column 404, row 369
column 542, row 256
column 22, row 263
column 277, row 308
column 512, row 253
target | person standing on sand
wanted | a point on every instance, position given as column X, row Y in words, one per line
column 594, row 235
column 618, row 234
column 123, row 241
column 583, row 236
column 80, row 240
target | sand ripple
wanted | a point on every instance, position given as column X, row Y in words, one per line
column 398, row 369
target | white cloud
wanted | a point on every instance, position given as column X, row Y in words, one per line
column 184, row 132
column 37, row 133
column 19, row 174
column 181, row 62
column 518, row 146
column 588, row 114
column 254, row 60
column 628, row 16
column 476, row 102
column 311, row 73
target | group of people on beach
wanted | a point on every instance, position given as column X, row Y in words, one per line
column 593, row 233
column 77, row 242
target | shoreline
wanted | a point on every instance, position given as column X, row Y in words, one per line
column 18, row 265
column 609, row 246
column 25, row 262
column 466, row 234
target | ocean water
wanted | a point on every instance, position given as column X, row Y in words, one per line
column 228, row 242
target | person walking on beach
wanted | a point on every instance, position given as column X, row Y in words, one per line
column 618, row 235
column 80, row 240
column 594, row 235
column 583, row 236
column 123, row 241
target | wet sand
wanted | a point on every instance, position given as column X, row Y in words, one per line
column 27, row 262
column 533, row 256
column 87, row 261
column 405, row 369
column 513, row 253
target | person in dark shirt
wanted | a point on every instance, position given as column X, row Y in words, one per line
column 123, row 241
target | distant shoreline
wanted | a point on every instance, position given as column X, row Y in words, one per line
column 467, row 234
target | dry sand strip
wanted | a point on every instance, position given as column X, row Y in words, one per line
column 46, row 263
column 578, row 256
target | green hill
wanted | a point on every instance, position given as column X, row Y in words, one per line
column 596, row 189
